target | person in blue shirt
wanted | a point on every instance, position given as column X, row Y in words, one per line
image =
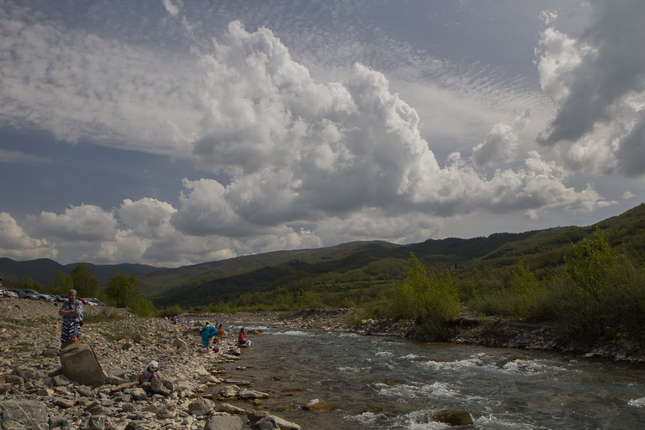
column 207, row 333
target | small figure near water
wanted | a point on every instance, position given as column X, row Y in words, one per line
column 151, row 372
column 72, row 313
column 175, row 320
column 207, row 333
column 220, row 331
column 241, row 340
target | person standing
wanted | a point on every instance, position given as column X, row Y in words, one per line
column 72, row 313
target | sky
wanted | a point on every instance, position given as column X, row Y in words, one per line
column 175, row 132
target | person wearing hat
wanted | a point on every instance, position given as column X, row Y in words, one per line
column 72, row 313
column 151, row 372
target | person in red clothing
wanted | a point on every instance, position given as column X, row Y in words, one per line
column 241, row 341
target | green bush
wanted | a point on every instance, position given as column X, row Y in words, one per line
column 431, row 296
column 143, row 307
column 601, row 295
column 501, row 303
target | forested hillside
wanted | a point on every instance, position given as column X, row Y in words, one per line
column 366, row 271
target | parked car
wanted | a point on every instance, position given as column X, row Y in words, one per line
column 45, row 297
column 60, row 298
column 85, row 302
column 95, row 302
column 12, row 293
column 3, row 293
column 26, row 293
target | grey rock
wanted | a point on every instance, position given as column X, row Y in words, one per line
column 64, row 403
column 254, row 416
column 62, row 381
column 252, row 394
column 229, row 391
column 80, row 364
column 57, row 421
column 94, row 408
column 234, row 351
column 26, row 373
column 99, row 422
column 49, row 352
column 85, row 391
column 286, row 425
column 4, row 387
column 138, row 394
column 454, row 417
column 230, row 409
column 157, row 387
column 201, row 407
column 268, row 423
column 127, row 407
column 223, row 422
column 23, row 414
column 165, row 412
column 179, row 343
column 14, row 379
column 318, row 405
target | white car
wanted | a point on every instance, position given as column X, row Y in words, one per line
column 11, row 294
column 45, row 297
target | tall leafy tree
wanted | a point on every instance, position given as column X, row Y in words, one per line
column 63, row 283
column 85, row 282
column 123, row 290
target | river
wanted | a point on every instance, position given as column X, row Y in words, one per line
column 392, row 383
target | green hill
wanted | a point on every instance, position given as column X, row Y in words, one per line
column 376, row 265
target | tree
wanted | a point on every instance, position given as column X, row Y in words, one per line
column 121, row 289
column 85, row 283
column 427, row 296
column 63, row 283
column 28, row 283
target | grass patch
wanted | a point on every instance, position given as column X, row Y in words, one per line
column 22, row 347
column 285, row 315
column 102, row 317
column 123, row 329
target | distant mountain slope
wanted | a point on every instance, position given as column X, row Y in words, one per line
column 44, row 270
column 164, row 279
column 339, row 259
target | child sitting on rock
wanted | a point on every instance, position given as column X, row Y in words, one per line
column 151, row 372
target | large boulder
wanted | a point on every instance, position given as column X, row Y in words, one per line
column 454, row 417
column 318, row 405
column 26, row 373
column 201, row 407
column 229, row 391
column 80, row 364
column 23, row 414
column 266, row 424
column 224, row 422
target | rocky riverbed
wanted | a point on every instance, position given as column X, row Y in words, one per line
column 199, row 391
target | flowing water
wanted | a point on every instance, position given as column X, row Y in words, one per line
column 391, row 383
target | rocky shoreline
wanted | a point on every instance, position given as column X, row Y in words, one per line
column 197, row 393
